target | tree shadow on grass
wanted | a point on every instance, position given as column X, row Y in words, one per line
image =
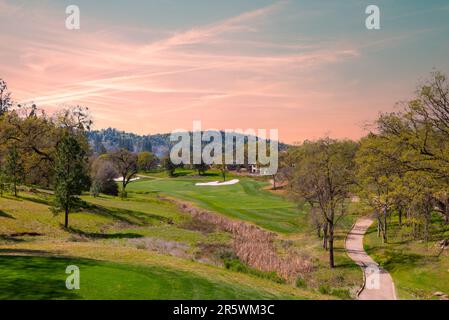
column 127, row 216
column 104, row 235
column 401, row 258
column 35, row 277
column 8, row 238
column 47, row 202
column 3, row 214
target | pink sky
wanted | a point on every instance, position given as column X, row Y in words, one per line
column 225, row 73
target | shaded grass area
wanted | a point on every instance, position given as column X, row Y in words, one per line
column 415, row 265
column 39, row 277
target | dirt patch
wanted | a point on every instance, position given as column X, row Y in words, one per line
column 172, row 248
column 196, row 224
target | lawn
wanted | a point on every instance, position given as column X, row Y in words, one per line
column 37, row 277
column 416, row 268
column 246, row 200
column 108, row 240
column 159, row 250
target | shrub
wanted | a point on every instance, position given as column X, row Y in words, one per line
column 300, row 283
column 324, row 289
column 341, row 293
column 237, row 265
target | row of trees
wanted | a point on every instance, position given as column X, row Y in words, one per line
column 401, row 168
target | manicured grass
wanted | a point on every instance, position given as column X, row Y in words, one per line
column 117, row 232
column 36, row 277
column 110, row 229
column 246, row 200
column 416, row 268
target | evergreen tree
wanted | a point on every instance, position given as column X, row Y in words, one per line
column 14, row 168
column 71, row 176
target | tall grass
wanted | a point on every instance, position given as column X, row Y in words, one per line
column 254, row 246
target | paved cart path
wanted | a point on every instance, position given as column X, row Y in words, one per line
column 378, row 282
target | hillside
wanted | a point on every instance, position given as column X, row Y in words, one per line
column 111, row 139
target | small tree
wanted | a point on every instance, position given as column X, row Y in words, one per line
column 125, row 163
column 14, row 168
column 71, row 176
column 146, row 161
column 5, row 97
column 223, row 170
column 201, row 168
column 3, row 180
column 103, row 174
column 169, row 166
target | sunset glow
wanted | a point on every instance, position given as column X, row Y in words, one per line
column 290, row 65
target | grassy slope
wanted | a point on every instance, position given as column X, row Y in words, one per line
column 245, row 200
column 107, row 280
column 103, row 232
column 249, row 200
column 416, row 269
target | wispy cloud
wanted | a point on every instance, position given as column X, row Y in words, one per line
column 231, row 72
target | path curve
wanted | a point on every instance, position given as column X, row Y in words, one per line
column 378, row 284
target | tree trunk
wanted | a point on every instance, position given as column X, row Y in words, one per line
column 325, row 236
column 384, row 234
column 400, row 217
column 66, row 222
column 123, row 193
column 274, row 182
column 331, row 244
column 15, row 188
column 379, row 226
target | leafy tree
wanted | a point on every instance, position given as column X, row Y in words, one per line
column 5, row 97
column 323, row 175
column 3, row 180
column 169, row 166
column 377, row 175
column 201, row 168
column 103, row 174
column 71, row 176
column 14, row 168
column 146, row 160
column 125, row 163
column 223, row 170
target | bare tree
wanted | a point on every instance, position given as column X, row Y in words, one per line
column 125, row 163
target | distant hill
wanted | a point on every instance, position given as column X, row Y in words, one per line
column 111, row 139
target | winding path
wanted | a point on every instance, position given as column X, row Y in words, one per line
column 378, row 284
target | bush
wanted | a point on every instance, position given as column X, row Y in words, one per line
column 324, row 289
column 237, row 265
column 341, row 293
column 110, row 187
column 300, row 283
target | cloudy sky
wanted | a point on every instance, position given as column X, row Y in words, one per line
column 308, row 68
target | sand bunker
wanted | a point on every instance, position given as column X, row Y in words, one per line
column 217, row 183
column 121, row 179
